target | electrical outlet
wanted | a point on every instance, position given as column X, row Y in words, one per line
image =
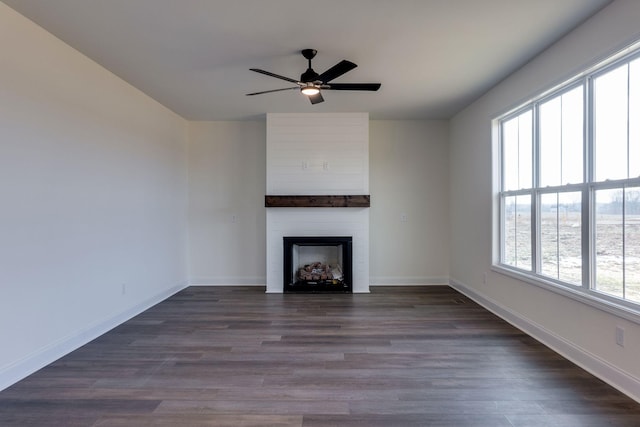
column 124, row 289
column 325, row 166
column 305, row 165
column 484, row 277
column 403, row 217
column 620, row 336
column 234, row 218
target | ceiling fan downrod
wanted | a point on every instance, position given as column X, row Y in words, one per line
column 309, row 75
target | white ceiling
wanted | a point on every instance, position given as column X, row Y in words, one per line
column 433, row 57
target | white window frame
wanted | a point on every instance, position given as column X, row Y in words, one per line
column 585, row 292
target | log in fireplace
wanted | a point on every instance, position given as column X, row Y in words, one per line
column 318, row 264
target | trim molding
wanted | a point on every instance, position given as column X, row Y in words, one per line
column 220, row 285
column 227, row 281
column 612, row 375
column 591, row 299
column 20, row 369
column 407, row 281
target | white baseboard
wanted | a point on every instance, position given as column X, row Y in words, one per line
column 26, row 366
column 407, row 281
column 374, row 281
column 228, row 281
column 612, row 375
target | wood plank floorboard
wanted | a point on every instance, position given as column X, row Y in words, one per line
column 236, row 356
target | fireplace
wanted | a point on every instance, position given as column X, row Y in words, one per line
column 285, row 222
column 317, row 184
column 317, row 264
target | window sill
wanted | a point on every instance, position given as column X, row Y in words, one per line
column 592, row 299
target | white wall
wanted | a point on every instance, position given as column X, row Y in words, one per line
column 93, row 195
column 409, row 175
column 581, row 332
column 226, row 202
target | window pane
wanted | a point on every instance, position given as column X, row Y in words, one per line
column 525, row 157
column 632, row 243
column 551, row 142
column 561, row 139
column 517, row 141
column 560, row 236
column 634, row 122
column 510, row 155
column 517, row 231
column 572, row 136
column 611, row 90
column 609, row 242
column 549, row 234
column 570, row 237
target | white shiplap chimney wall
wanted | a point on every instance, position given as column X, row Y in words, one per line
column 317, row 154
column 312, row 154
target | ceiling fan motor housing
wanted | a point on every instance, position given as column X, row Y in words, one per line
column 309, row 76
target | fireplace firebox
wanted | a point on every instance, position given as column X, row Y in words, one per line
column 318, row 264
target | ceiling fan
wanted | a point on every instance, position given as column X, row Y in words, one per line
column 312, row 83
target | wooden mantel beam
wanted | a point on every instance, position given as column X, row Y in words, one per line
column 346, row 201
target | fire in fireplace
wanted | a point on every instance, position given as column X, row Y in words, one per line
column 318, row 264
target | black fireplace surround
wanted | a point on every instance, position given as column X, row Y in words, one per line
column 318, row 264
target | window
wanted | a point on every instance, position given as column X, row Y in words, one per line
column 569, row 185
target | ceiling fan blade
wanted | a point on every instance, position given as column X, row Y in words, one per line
column 316, row 99
column 273, row 90
column 353, row 86
column 277, row 76
column 336, row 71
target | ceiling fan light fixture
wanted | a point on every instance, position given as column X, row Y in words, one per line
column 310, row 90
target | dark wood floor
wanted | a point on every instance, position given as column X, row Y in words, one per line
column 401, row 356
